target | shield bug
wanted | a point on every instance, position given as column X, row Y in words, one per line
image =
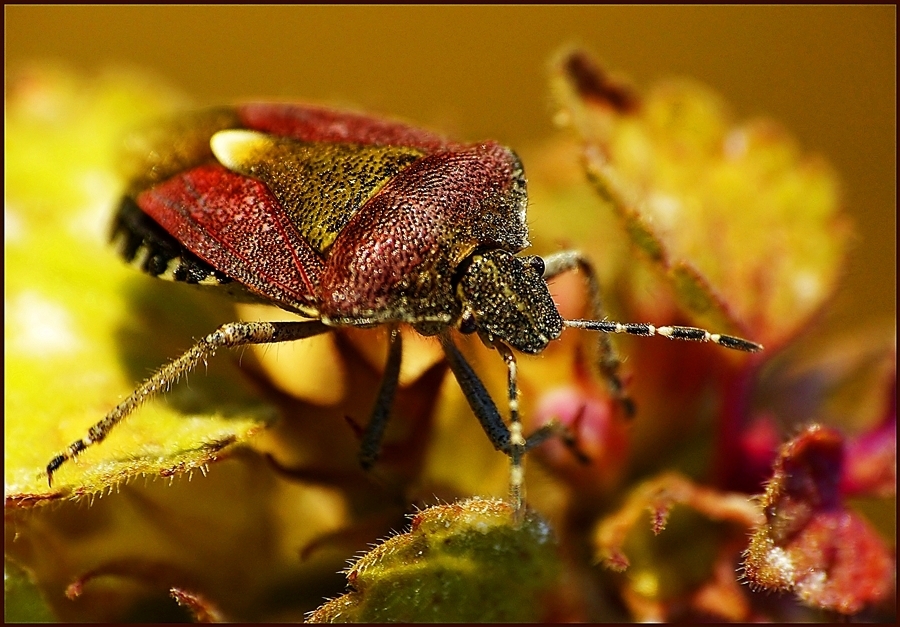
column 353, row 221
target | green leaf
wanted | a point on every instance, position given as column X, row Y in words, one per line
column 463, row 562
column 81, row 327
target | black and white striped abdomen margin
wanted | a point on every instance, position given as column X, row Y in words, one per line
column 147, row 246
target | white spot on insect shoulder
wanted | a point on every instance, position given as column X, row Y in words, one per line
column 40, row 327
column 235, row 148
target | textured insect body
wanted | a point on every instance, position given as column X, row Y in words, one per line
column 329, row 221
column 351, row 220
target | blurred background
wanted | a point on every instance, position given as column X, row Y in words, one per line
column 827, row 73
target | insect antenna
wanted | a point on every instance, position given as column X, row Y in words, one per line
column 690, row 334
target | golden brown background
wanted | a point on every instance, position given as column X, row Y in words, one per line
column 827, row 73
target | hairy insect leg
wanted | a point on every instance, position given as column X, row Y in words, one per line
column 374, row 432
column 228, row 335
column 608, row 362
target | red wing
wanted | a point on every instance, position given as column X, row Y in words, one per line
column 235, row 224
column 396, row 258
column 316, row 124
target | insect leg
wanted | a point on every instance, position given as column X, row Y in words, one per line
column 227, row 336
column 371, row 439
column 511, row 443
column 477, row 396
column 608, row 361
column 516, row 439
column 509, row 440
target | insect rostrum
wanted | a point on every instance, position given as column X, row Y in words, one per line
column 351, row 220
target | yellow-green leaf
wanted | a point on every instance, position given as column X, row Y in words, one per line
column 82, row 328
column 746, row 227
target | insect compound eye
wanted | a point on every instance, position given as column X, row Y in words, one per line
column 534, row 262
column 467, row 323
